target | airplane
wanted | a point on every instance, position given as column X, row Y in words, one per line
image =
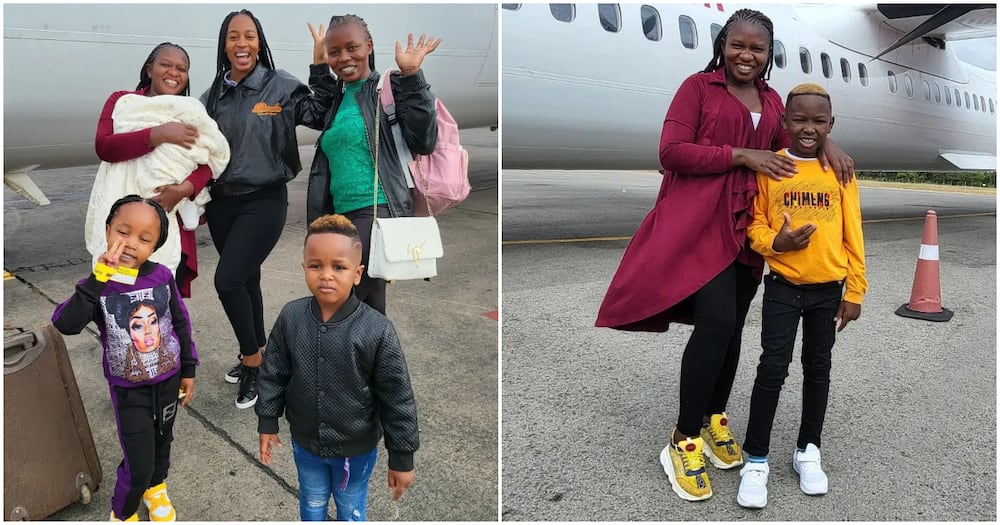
column 586, row 86
column 61, row 62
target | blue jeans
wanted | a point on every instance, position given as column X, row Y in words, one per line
column 345, row 478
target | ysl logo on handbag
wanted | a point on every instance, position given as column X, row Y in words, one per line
column 415, row 251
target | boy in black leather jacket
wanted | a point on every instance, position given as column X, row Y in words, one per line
column 335, row 368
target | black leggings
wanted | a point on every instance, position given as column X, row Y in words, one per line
column 145, row 417
column 712, row 354
column 371, row 291
column 245, row 229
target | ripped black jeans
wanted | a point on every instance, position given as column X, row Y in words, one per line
column 784, row 304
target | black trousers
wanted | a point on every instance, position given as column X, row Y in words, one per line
column 784, row 304
column 145, row 417
column 371, row 291
column 244, row 230
column 708, row 367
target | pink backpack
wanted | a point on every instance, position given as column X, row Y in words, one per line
column 437, row 181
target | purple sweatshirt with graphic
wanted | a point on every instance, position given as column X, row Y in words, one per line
column 145, row 328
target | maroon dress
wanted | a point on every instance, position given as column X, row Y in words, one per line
column 112, row 147
column 697, row 227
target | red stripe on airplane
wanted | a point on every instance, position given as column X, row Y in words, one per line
column 493, row 314
column 717, row 6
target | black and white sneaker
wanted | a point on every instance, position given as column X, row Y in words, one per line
column 233, row 375
column 247, row 396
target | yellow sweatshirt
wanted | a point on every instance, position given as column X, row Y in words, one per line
column 836, row 249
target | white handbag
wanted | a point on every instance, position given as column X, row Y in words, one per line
column 401, row 247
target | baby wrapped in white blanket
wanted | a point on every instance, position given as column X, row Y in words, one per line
column 165, row 165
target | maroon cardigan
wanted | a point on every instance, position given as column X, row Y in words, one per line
column 120, row 147
column 698, row 225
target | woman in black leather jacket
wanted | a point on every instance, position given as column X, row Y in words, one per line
column 257, row 108
column 342, row 179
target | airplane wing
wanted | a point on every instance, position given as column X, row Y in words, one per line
column 938, row 23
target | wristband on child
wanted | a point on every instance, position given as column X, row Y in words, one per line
column 103, row 272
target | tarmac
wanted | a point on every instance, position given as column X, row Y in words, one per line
column 447, row 327
column 910, row 431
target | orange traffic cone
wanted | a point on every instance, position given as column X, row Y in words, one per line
column 925, row 298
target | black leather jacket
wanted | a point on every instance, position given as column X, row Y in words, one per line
column 417, row 119
column 258, row 117
column 339, row 383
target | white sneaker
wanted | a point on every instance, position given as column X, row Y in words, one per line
column 753, row 485
column 812, row 479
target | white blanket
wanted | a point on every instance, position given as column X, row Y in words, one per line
column 167, row 164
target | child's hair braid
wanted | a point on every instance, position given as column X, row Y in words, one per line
column 160, row 213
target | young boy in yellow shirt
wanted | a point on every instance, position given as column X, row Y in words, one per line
column 808, row 228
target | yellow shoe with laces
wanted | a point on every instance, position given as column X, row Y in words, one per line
column 684, row 464
column 722, row 449
column 156, row 500
column 134, row 517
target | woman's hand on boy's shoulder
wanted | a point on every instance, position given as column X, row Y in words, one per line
column 847, row 312
column 399, row 482
column 267, row 444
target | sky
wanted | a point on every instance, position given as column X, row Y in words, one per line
column 980, row 52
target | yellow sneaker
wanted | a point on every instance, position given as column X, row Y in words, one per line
column 722, row 449
column 156, row 500
column 684, row 464
column 134, row 517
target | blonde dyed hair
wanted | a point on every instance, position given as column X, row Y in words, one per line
column 335, row 224
column 808, row 88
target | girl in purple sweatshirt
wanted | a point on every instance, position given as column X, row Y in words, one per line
column 148, row 351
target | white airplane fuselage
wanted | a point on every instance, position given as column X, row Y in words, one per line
column 577, row 96
column 62, row 61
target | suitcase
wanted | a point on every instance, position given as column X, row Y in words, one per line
column 49, row 457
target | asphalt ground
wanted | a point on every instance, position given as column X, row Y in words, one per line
column 448, row 337
column 910, row 430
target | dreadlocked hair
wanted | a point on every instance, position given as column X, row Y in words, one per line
column 160, row 212
column 751, row 17
column 222, row 60
column 335, row 224
column 144, row 79
column 807, row 88
column 339, row 20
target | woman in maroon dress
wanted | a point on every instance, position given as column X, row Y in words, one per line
column 690, row 261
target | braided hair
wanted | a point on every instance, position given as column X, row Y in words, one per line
column 340, row 20
column 222, row 62
column 751, row 17
column 160, row 213
column 144, row 79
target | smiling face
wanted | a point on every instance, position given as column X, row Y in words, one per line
column 808, row 119
column 242, row 46
column 139, row 225
column 347, row 50
column 144, row 328
column 745, row 52
column 332, row 264
column 168, row 72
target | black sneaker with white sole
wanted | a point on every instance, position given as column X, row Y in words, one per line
column 233, row 375
column 247, row 396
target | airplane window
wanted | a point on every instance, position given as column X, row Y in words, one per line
column 975, row 102
column 779, row 54
column 715, row 29
column 511, row 7
column 927, row 90
column 563, row 12
column 947, row 96
column 908, row 84
column 958, row 98
column 845, row 69
column 892, row 82
column 863, row 74
column 937, row 93
column 992, row 108
column 982, row 103
column 651, row 23
column 689, row 34
column 827, row 66
column 806, row 60
column 611, row 17
column 967, row 105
